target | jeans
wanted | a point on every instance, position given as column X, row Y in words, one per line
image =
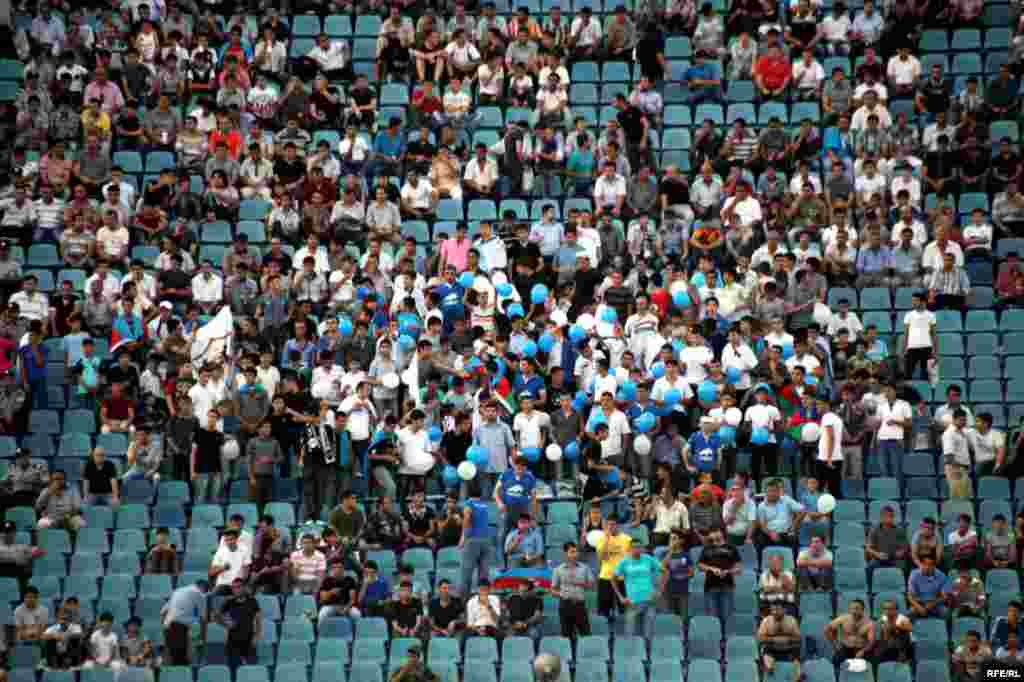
column 103, row 500
column 721, row 604
column 207, row 487
column 331, row 611
column 640, row 619
column 890, row 455
column 37, row 392
column 477, row 553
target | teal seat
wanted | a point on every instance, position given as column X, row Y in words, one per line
column 559, row 646
column 155, row 586
column 818, row 670
column 705, row 637
column 252, row 673
column 370, row 650
column 214, row 673
column 705, row 670
column 933, row 40
column 966, row 39
column 368, row 25
column 305, row 26
column 741, row 91
column 290, row 672
column 294, row 651
column 967, row 64
column 443, row 649
column 480, row 650
column 585, row 72
column 668, row 646
column 616, row 72
column 894, row 672
column 888, row 580
column 678, row 47
column 676, row 138
column 338, row 25
column 331, row 651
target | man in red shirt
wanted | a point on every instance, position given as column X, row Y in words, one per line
column 772, row 74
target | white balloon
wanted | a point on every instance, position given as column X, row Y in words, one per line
column 467, row 471
column 230, row 449
column 587, row 321
column 642, row 444
column 595, row 536
column 822, row 314
column 810, row 433
column 553, row 452
column 733, row 416
column 390, row 380
column 826, row 503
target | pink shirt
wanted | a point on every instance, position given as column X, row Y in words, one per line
column 456, row 253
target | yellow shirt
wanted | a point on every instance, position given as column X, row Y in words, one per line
column 618, row 547
column 98, row 123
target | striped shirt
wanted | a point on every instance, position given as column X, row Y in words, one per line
column 571, row 581
column 49, row 215
column 308, row 568
column 951, row 283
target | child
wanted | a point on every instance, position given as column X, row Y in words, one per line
column 104, row 650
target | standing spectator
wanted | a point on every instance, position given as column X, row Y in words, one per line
column 721, row 564
column 569, row 582
column 611, row 548
column 205, row 468
column 264, row 455
column 956, row 457
column 475, row 543
column 516, row 494
column 185, row 608
column 639, row 573
column 241, row 615
column 919, row 337
column 34, row 357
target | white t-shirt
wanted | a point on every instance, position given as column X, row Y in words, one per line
column 831, row 419
column 985, row 446
column 763, row 417
column 416, row 457
column 696, row 358
column 528, row 429
column 919, row 325
column 234, row 561
column 663, row 386
column 618, row 428
column 899, row 409
column 104, row 648
column 358, row 417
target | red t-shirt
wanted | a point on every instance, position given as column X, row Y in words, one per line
column 773, row 72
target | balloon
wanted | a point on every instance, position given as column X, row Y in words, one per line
column 532, row 455
column 466, row 280
column 658, row 370
column 826, row 503
column 553, row 452
column 504, row 289
column 409, row 326
column 810, row 433
column 579, row 405
column 450, row 476
column 577, row 333
column 546, row 342
column 727, row 434
column 390, row 380
column 362, row 292
column 642, row 444
column 681, row 299
column 628, row 390
column 515, row 310
column 760, row 436
column 436, row 434
column 811, row 380
column 597, row 418
column 787, row 351
column 345, row 327
column 733, row 375
column 230, row 449
column 609, row 315
column 478, row 455
column 822, row 314
column 538, row 294
column 594, row 537
column 467, row 471
column 571, row 451
column 406, row 342
column 733, row 416
column 645, row 422
column 673, row 397
column 663, row 410
column 587, row 321
column 707, row 391
column 529, row 349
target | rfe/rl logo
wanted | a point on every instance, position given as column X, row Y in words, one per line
column 1003, row 674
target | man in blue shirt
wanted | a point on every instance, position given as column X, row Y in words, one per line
column 702, row 81
column 703, row 453
column 185, row 607
column 376, row 590
column 388, row 151
column 927, row 590
column 777, row 516
column 476, row 543
column 524, row 546
column 639, row 573
column 34, row 356
column 516, row 493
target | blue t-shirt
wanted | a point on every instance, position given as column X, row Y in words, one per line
column 478, row 519
column 377, row 591
column 516, row 492
column 704, row 451
column 640, row 576
column 678, row 569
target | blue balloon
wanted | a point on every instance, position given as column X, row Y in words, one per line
column 628, row 390
column 597, row 419
column 658, row 370
column 504, row 289
column 663, row 410
column 546, row 342
column 760, row 436
column 450, row 476
column 466, row 279
column 727, row 434
column 609, row 315
column 529, row 349
column 345, row 327
column 681, row 299
column 811, row 380
column 577, row 333
column 645, row 422
column 538, row 294
column 582, row 397
column 733, row 375
column 707, row 391
column 362, row 292
column 532, row 455
column 787, row 351
column 436, row 433
column 571, row 451
column 478, row 455
column 579, row 405
column 673, row 397
column 406, row 342
column 473, row 363
column 516, row 310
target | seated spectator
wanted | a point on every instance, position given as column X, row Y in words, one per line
column 406, row 613
column 1012, row 650
column 967, row 596
column 887, row 545
column 162, row 557
column 948, row 286
column 893, row 641
column 778, row 585
column 815, row 566
column 64, row 643
column 852, row 634
column 1000, row 543
column 384, row 527
column 483, row 612
column 31, row 618
column 307, row 567
column 778, row 516
column 229, row 562
column 967, row 657
column 524, row 545
column 337, row 594
column 59, row 506
column 927, row 590
column 104, row 648
column 778, row 637
column 963, row 544
column 374, row 592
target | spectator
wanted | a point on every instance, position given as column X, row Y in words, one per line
column 853, row 632
column 59, row 506
column 162, row 558
column 721, row 563
column 639, row 573
column 100, row 483
column 887, row 545
column 307, row 567
column 524, row 612
column 779, row 638
column 31, row 618
column 185, row 608
column 968, row 656
column 927, row 590
column 815, row 565
column 446, row 612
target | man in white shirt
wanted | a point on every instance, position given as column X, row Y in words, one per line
column 615, row 446
column 493, row 254
column 229, row 562
column 956, row 457
column 871, row 106
column 808, row 75
column 483, row 611
column 481, row 175
column 830, row 446
column 457, row 104
column 353, row 151
column 462, row 56
column 919, row 337
column 695, row 358
column 207, row 288
column 32, row 304
column 935, row 252
column 672, row 380
column 870, row 183
column 312, row 248
column 903, row 72
column 895, row 418
column 988, row 445
column 746, row 208
column 529, row 425
column 585, row 35
column 763, row 416
column 609, row 191
column 418, row 197
column 332, row 58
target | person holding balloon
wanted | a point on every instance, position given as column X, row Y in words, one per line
column 671, row 392
column 703, row 452
column 764, row 418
